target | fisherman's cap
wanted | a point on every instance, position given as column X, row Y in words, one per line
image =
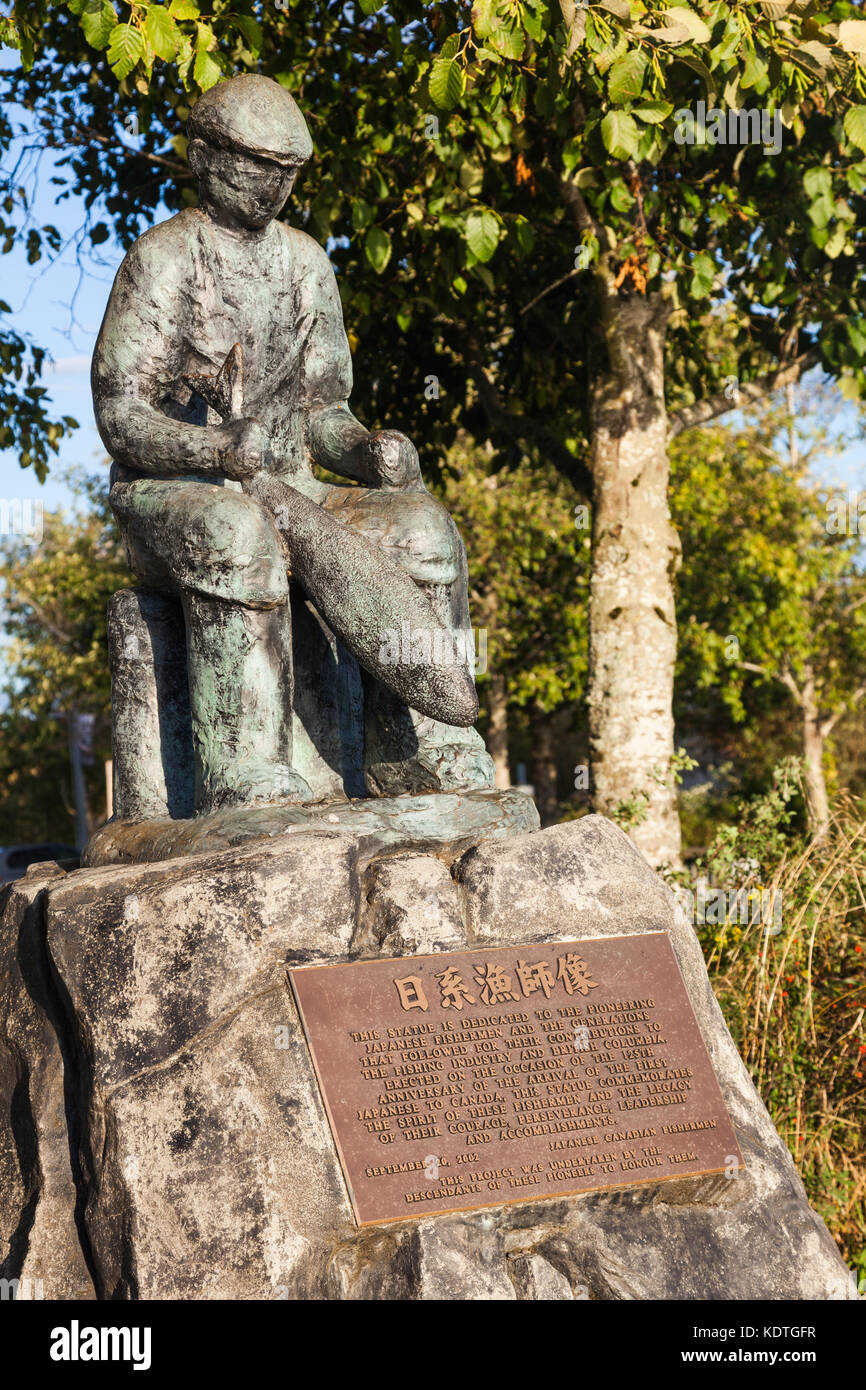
column 255, row 115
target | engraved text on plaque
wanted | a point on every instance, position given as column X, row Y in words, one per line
column 513, row 1073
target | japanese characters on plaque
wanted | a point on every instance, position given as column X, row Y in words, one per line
column 483, row 1077
column 493, row 983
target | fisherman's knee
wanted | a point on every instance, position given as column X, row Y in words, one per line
column 238, row 551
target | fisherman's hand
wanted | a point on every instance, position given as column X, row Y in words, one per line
column 244, row 451
column 392, row 461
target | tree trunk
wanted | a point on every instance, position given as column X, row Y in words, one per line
column 636, row 552
column 791, row 401
column 543, row 764
column 817, row 801
column 497, row 728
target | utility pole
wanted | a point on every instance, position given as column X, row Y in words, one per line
column 79, row 790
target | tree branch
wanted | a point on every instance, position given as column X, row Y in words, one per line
column 703, row 411
column 563, row 279
column 784, row 676
column 525, row 427
column 66, row 639
column 88, row 136
column 829, row 724
column 585, row 222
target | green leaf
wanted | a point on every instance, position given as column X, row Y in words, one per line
column 571, row 154
column 852, row 36
column 98, row 19
column 625, row 80
column 509, row 42
column 854, row 126
column 362, row 214
column 450, row 46
column 533, row 24
column 820, row 236
column 525, row 235
column 857, row 178
column 471, row 177
column 446, row 82
column 653, row 112
column 125, row 47
column 816, row 181
column 482, row 234
column 484, row 17
column 821, row 210
column 206, row 71
column 699, row 66
column 814, row 58
column 856, row 330
column 377, row 248
column 620, row 198
column 754, row 71
column 849, row 388
column 620, row 134
column 371, row 6
column 251, row 30
column 161, row 32
column 703, row 275
column 836, row 242
column 183, row 9
column 693, row 24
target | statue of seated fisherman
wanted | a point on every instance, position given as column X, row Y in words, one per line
column 221, row 376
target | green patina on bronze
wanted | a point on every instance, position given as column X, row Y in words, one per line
column 221, row 378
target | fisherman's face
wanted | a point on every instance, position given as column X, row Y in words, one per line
column 249, row 190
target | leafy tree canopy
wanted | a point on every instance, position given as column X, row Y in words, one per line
column 527, row 540
column 486, row 176
column 772, row 581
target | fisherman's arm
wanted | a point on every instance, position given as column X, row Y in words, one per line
column 335, row 439
column 135, row 365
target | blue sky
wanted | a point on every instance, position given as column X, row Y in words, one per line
column 41, row 299
column 58, row 305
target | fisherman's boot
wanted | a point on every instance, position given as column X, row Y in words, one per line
column 240, row 679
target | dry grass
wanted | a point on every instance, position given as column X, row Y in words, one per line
column 795, row 1001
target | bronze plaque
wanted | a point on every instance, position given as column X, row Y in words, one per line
column 508, row 1074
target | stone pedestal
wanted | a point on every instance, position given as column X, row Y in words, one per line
column 198, row 1162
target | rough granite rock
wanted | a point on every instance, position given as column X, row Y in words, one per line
column 207, row 1168
column 410, row 908
column 40, row 1246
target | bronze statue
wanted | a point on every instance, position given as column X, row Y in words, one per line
column 221, row 377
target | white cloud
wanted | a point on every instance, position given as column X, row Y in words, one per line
column 68, row 366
